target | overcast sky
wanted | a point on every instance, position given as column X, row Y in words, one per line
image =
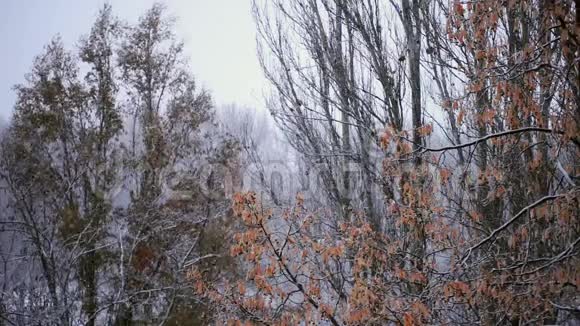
column 219, row 36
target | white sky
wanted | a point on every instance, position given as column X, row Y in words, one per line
column 219, row 38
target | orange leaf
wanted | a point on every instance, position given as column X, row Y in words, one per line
column 459, row 9
column 408, row 320
column 444, row 173
column 460, row 117
column 241, row 288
